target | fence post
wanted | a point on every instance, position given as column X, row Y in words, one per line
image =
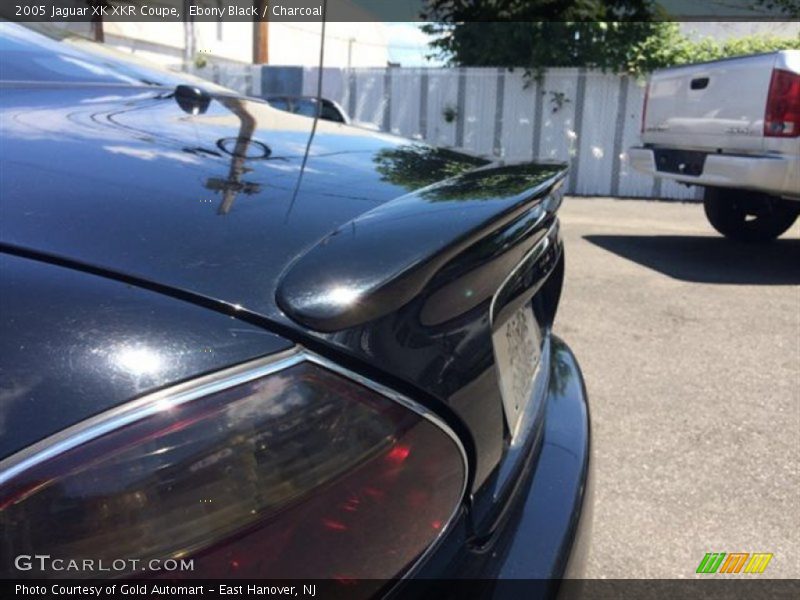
column 461, row 106
column 622, row 110
column 575, row 162
column 497, row 147
column 423, row 105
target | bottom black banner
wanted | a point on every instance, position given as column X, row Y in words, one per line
column 586, row 589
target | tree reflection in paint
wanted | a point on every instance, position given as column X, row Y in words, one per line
column 458, row 177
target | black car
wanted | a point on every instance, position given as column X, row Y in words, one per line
column 259, row 352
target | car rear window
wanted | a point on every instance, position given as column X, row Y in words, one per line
column 279, row 103
column 306, row 107
column 330, row 113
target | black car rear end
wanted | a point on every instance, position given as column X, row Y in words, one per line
column 331, row 363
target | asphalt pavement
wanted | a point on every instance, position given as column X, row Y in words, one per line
column 690, row 348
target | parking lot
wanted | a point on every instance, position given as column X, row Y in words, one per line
column 691, row 354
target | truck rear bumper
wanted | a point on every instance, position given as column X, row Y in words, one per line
column 772, row 174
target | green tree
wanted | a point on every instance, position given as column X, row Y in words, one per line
column 457, row 176
column 535, row 34
column 611, row 35
column 415, row 166
column 668, row 47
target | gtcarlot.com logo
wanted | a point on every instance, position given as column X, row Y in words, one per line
column 46, row 563
column 734, row 562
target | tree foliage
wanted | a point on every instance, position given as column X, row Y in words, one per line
column 611, row 35
column 669, row 47
column 539, row 33
column 535, row 45
column 415, row 166
column 458, row 177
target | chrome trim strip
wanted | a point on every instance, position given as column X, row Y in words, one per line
column 421, row 410
column 143, row 407
column 526, row 419
column 110, row 420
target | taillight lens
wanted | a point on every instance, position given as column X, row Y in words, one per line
column 782, row 117
column 302, row 473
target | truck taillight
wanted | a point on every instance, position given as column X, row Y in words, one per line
column 782, row 117
column 299, row 473
column 644, row 105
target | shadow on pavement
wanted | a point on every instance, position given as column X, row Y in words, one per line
column 709, row 259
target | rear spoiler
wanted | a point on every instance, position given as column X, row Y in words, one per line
column 381, row 260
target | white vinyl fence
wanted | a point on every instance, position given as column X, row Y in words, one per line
column 587, row 118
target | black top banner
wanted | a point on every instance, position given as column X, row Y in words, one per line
column 395, row 10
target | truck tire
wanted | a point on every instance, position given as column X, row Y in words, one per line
column 747, row 216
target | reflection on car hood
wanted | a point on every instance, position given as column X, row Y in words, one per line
column 216, row 198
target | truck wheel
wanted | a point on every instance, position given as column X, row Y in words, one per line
column 748, row 216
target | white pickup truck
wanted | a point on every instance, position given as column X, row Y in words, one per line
column 733, row 127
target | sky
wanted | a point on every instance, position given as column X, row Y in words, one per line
column 408, row 45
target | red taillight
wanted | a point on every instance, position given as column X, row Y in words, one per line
column 644, row 105
column 782, row 117
column 301, row 473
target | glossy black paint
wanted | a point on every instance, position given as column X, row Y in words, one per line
column 379, row 253
column 129, row 180
column 371, row 266
column 75, row 344
column 123, row 178
column 545, row 530
column 552, row 508
column 454, row 360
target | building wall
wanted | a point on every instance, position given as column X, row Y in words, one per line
column 346, row 44
column 353, row 44
column 161, row 43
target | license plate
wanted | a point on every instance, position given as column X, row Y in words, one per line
column 517, row 350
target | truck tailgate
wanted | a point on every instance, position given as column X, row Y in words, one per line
column 710, row 105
